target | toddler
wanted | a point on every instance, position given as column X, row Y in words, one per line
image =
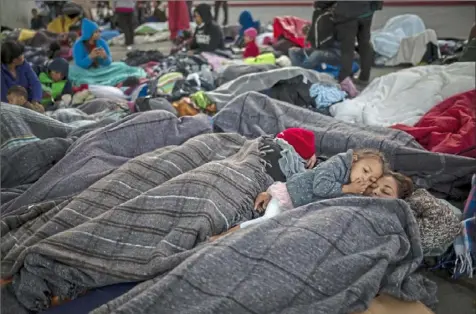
column 18, row 95
column 251, row 48
column 346, row 173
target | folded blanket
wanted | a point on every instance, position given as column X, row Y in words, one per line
column 254, row 114
column 111, row 75
column 327, row 257
column 137, row 222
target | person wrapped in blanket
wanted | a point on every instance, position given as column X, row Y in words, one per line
column 208, row 35
column 90, row 50
column 352, row 172
column 54, row 82
column 18, row 95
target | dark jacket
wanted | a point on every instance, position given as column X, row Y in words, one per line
column 208, row 36
column 345, row 11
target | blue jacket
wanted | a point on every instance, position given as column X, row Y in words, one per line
column 80, row 50
column 323, row 182
column 246, row 21
column 26, row 77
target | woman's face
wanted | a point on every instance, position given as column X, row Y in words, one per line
column 385, row 187
column 96, row 35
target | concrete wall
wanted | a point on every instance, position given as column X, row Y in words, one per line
column 16, row 13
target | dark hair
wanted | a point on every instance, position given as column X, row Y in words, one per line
column 18, row 91
column 11, row 49
column 34, row 10
column 371, row 153
column 404, row 184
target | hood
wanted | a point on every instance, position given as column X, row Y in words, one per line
column 246, row 19
column 59, row 65
column 205, row 11
column 88, row 28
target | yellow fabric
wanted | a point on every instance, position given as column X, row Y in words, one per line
column 26, row 34
column 61, row 24
column 265, row 58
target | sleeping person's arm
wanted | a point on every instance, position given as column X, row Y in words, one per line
column 328, row 175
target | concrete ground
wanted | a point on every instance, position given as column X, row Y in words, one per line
column 456, row 297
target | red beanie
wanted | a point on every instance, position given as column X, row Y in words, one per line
column 302, row 140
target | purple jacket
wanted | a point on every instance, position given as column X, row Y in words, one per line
column 26, row 77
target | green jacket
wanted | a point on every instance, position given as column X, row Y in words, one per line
column 55, row 89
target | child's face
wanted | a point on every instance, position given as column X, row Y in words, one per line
column 56, row 76
column 247, row 39
column 366, row 169
column 16, row 99
column 34, row 13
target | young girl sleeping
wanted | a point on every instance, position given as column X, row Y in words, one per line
column 351, row 172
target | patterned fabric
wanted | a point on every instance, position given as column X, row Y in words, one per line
column 103, row 150
column 307, row 260
column 438, row 223
column 148, row 213
column 279, row 191
column 253, row 114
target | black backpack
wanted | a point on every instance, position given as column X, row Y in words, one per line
column 324, row 30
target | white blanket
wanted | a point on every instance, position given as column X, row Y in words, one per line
column 405, row 96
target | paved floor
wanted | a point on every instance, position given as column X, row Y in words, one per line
column 455, row 297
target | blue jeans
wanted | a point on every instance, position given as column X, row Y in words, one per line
column 310, row 59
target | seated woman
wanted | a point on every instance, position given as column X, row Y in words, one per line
column 208, row 35
column 389, row 185
column 90, row 51
column 17, row 72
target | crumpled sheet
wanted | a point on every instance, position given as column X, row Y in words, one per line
column 405, row 96
column 253, row 114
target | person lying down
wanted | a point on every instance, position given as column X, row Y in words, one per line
column 349, row 173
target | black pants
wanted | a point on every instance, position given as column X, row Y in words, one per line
column 125, row 21
column 346, row 33
column 223, row 4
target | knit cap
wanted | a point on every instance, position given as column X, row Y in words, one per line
column 302, row 140
column 251, row 32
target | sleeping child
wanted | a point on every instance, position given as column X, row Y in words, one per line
column 54, row 82
column 18, row 95
column 346, row 173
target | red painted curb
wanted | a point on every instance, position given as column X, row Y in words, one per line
column 402, row 3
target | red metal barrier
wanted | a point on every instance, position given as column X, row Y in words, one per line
column 390, row 3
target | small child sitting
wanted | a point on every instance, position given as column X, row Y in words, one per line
column 251, row 48
column 18, row 95
column 345, row 173
column 54, row 82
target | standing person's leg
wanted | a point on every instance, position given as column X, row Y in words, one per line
column 225, row 12
column 189, row 6
column 131, row 28
column 346, row 33
column 366, row 51
column 216, row 10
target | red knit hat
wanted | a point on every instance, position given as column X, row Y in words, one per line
column 302, row 140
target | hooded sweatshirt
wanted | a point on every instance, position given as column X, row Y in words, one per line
column 82, row 48
column 55, row 89
column 246, row 21
column 208, row 36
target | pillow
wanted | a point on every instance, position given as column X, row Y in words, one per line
column 437, row 222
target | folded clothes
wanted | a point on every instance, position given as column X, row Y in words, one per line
column 326, row 95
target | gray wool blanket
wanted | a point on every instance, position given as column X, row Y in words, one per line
column 101, row 151
column 261, row 81
column 134, row 224
column 253, row 114
column 327, row 257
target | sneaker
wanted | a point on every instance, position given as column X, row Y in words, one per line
column 129, row 48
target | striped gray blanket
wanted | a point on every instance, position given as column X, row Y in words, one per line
column 327, row 257
column 253, row 114
column 134, row 224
